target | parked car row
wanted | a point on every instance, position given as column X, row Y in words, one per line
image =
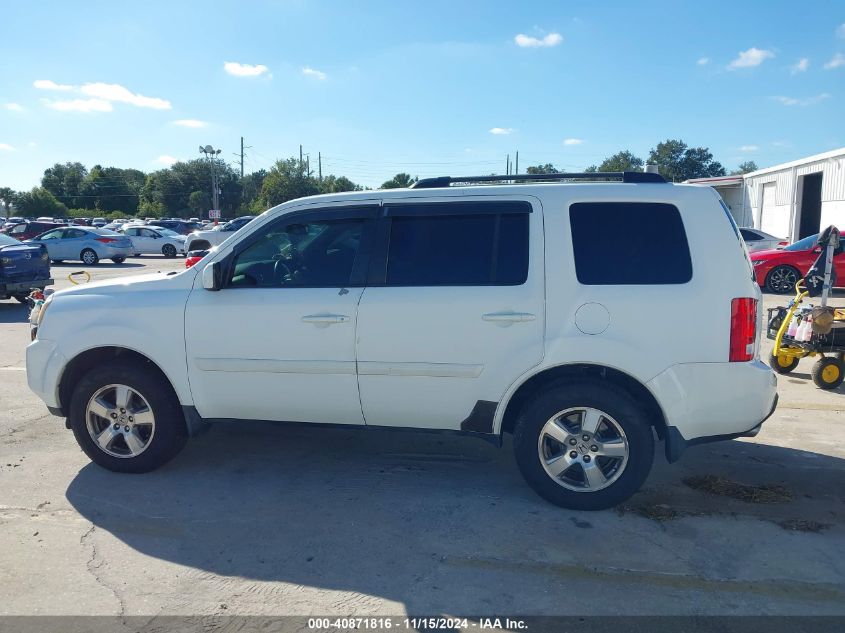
column 778, row 270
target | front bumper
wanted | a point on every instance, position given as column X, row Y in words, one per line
column 44, row 366
column 23, row 287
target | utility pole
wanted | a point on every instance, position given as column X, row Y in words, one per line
column 242, row 158
column 507, row 165
column 308, row 166
column 320, row 165
column 517, row 162
column 300, row 159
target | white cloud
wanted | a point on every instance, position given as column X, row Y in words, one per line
column 573, row 141
column 800, row 66
column 32, row 144
column 749, row 148
column 6, row 147
column 313, row 72
column 750, row 58
column 164, row 159
column 14, row 107
column 547, row 41
column 116, row 92
column 47, row 84
column 190, row 123
column 792, row 101
column 840, row 31
column 703, row 61
column 501, row 130
column 245, row 70
column 835, row 62
column 79, row 105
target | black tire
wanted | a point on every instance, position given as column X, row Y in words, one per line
column 781, row 280
column 828, row 373
column 611, row 400
column 118, row 260
column 22, row 298
column 169, row 434
column 58, row 261
column 91, row 254
column 168, row 250
column 776, row 363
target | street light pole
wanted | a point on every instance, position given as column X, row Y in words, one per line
column 210, row 154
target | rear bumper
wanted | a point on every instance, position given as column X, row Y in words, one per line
column 707, row 402
column 10, row 289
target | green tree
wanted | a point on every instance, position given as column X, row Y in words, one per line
column 620, row 161
column 112, row 189
column 199, row 202
column 548, row 168
column 743, row 168
column 40, row 202
column 678, row 162
column 7, row 197
column 285, row 181
column 338, row 184
column 399, row 181
column 64, row 182
column 251, row 188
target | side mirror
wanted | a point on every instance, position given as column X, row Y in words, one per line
column 211, row 276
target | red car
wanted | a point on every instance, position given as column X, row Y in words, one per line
column 779, row 270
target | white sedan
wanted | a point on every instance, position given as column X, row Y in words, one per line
column 154, row 240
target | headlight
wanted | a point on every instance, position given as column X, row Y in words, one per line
column 43, row 311
column 5, row 260
column 757, row 262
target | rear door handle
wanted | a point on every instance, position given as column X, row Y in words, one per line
column 508, row 317
column 325, row 319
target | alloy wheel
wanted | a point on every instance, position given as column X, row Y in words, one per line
column 120, row 421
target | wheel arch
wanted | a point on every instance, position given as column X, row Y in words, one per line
column 198, row 245
column 579, row 372
column 86, row 360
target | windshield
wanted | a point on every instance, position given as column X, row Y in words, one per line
column 803, row 245
column 167, row 232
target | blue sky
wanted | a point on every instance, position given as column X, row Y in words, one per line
column 382, row 87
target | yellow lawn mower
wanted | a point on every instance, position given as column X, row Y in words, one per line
column 804, row 330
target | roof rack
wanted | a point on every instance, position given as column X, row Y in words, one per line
column 612, row 176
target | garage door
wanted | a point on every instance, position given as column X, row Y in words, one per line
column 773, row 219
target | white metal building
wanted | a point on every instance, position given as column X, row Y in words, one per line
column 791, row 200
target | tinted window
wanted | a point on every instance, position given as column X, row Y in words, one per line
column 74, row 233
column 750, row 236
column 629, row 243
column 458, row 250
column 313, row 254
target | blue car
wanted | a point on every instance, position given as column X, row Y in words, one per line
column 23, row 267
column 86, row 244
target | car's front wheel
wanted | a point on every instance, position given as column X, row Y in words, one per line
column 168, row 250
column 118, row 260
column 584, row 446
column 126, row 417
column 781, row 280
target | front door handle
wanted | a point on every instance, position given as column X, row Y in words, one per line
column 325, row 319
column 506, row 318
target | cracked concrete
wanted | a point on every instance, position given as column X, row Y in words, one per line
column 263, row 519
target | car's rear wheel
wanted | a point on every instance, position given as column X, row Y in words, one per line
column 168, row 250
column 782, row 279
column 584, row 446
column 89, row 257
column 126, row 418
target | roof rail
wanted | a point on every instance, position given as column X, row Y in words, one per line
column 612, row 176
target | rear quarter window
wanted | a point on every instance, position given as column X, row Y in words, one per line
column 629, row 243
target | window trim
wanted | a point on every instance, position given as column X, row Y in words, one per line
column 377, row 274
column 368, row 213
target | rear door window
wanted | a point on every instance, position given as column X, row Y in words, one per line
column 629, row 243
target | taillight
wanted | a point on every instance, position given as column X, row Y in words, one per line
column 106, row 240
column 743, row 329
column 784, row 243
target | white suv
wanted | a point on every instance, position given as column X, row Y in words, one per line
column 585, row 318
